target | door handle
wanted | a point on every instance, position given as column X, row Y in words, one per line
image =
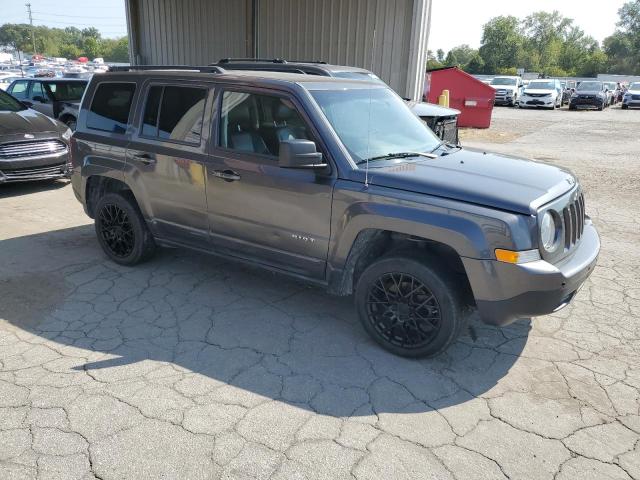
column 144, row 158
column 226, row 175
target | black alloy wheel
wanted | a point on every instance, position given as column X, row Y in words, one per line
column 117, row 230
column 411, row 304
column 403, row 310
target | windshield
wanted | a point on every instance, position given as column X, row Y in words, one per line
column 359, row 76
column 10, row 104
column 374, row 122
column 634, row 86
column 542, row 85
column 503, row 81
column 589, row 86
column 66, row 91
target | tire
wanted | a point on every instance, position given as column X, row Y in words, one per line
column 390, row 323
column 600, row 108
column 572, row 107
column 122, row 232
column 625, row 107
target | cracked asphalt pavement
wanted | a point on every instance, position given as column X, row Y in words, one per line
column 192, row 367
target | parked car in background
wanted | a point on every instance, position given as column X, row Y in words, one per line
column 508, row 90
column 6, row 81
column 443, row 121
column 32, row 145
column 57, row 98
column 543, row 94
column 631, row 96
column 335, row 182
column 566, row 92
column 589, row 94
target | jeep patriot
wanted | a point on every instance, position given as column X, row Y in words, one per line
column 335, row 182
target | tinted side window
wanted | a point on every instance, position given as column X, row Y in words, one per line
column 110, row 107
column 151, row 109
column 258, row 123
column 19, row 89
column 37, row 90
column 180, row 115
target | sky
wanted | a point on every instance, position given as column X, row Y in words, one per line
column 106, row 15
column 455, row 22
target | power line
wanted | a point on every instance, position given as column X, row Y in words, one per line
column 73, row 24
column 77, row 16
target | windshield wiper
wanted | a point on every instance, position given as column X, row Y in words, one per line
column 389, row 156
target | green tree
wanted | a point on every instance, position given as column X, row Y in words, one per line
column 623, row 47
column 502, row 43
column 440, row 55
column 460, row 56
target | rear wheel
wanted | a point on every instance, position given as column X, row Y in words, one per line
column 121, row 230
column 624, row 107
column 410, row 308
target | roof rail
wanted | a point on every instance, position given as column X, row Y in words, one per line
column 134, row 68
column 265, row 60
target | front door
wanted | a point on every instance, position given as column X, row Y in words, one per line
column 165, row 160
column 277, row 216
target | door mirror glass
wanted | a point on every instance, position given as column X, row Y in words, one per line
column 300, row 154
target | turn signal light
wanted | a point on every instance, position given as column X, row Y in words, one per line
column 509, row 256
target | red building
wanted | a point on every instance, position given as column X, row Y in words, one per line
column 466, row 93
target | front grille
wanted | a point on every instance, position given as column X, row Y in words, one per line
column 573, row 218
column 49, row 171
column 587, row 97
column 39, row 148
column 447, row 130
column 537, row 95
column 635, row 97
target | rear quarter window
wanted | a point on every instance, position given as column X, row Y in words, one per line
column 111, row 106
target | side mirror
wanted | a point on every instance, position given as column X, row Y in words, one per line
column 40, row 99
column 300, row 154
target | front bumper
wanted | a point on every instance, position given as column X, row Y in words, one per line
column 504, row 100
column 587, row 103
column 526, row 101
column 47, row 168
column 505, row 292
column 630, row 102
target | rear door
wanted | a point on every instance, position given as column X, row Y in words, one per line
column 39, row 99
column 166, row 156
column 276, row 216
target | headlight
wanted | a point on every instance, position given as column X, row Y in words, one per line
column 574, row 95
column 67, row 134
column 549, row 232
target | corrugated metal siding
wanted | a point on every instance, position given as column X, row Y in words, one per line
column 190, row 32
column 336, row 31
column 340, row 32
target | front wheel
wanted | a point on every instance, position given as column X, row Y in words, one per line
column 121, row 230
column 410, row 308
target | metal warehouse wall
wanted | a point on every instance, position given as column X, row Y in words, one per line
column 337, row 31
column 188, row 32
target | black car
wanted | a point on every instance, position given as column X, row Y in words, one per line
column 56, row 98
column 443, row 121
column 334, row 182
column 32, row 145
column 589, row 94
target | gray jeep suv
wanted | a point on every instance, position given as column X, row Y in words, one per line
column 335, row 182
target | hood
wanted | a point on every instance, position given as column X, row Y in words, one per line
column 539, row 91
column 17, row 124
column 632, row 92
column 589, row 92
column 423, row 109
column 493, row 180
column 513, row 88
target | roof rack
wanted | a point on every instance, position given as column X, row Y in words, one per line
column 264, row 60
column 134, row 68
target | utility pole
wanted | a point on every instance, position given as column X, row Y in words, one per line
column 33, row 32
